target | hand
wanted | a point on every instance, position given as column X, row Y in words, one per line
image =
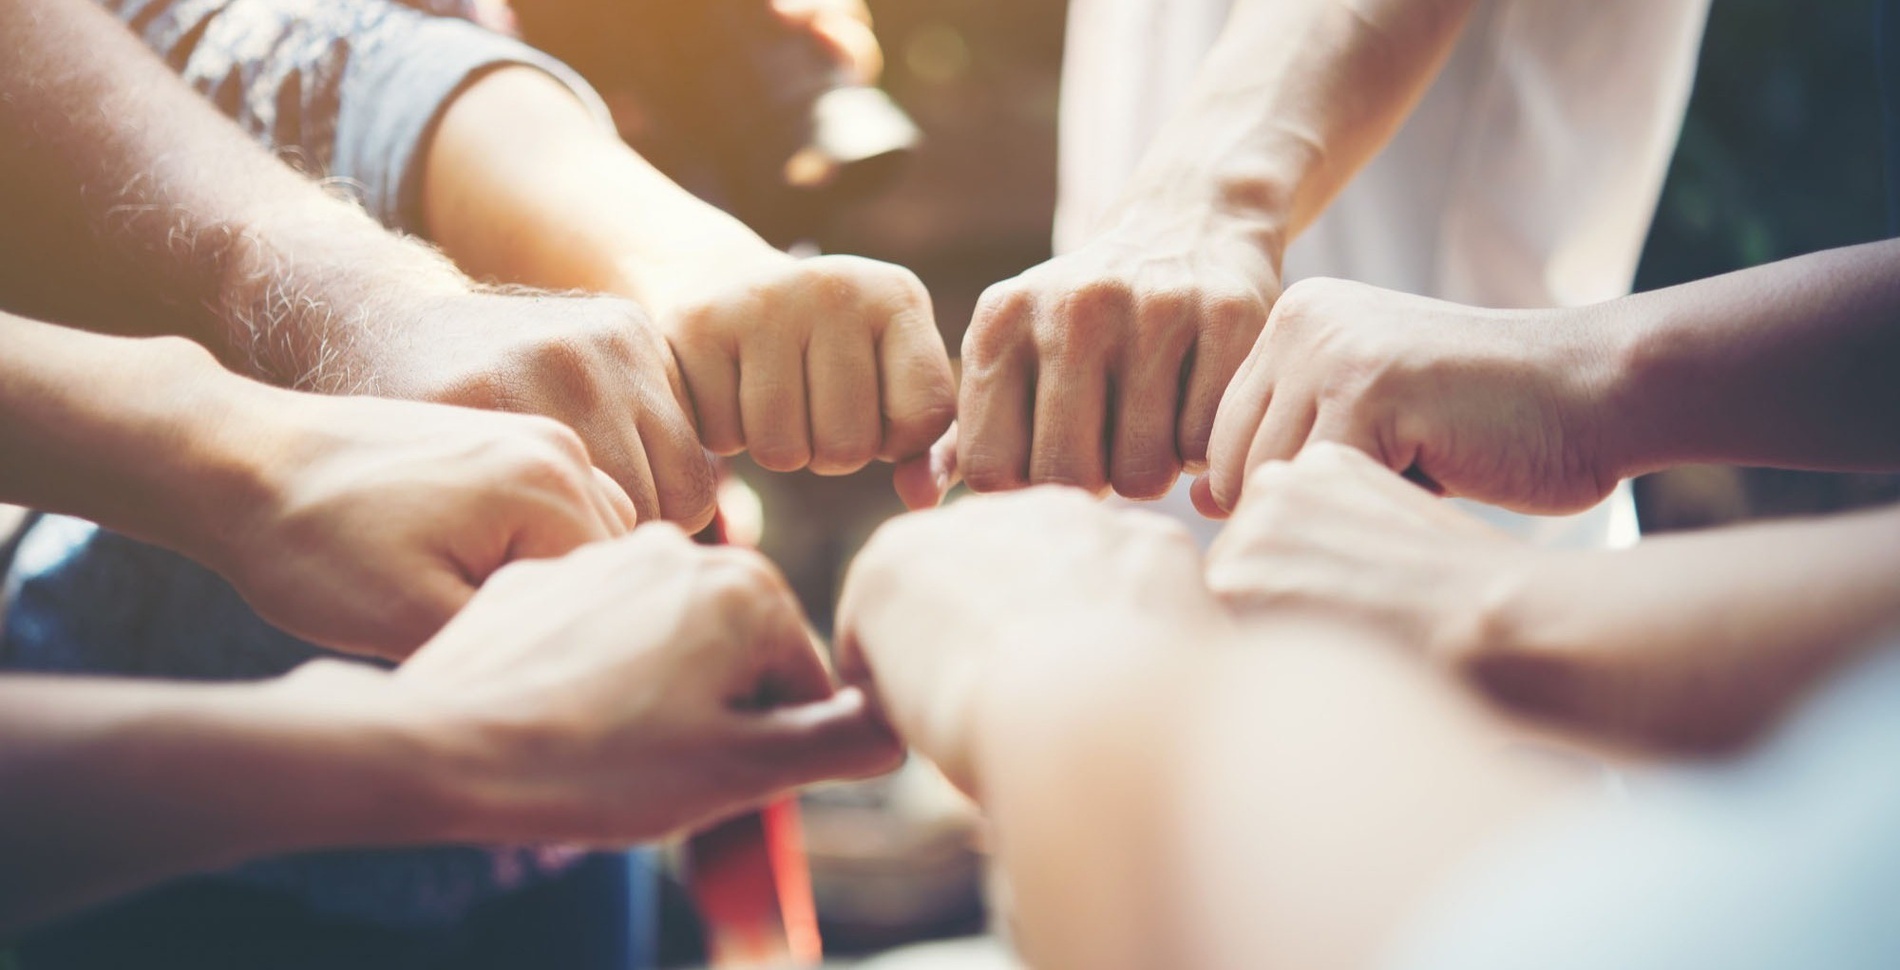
column 628, row 691
column 823, row 363
column 1104, row 368
column 1498, row 406
column 1333, row 532
column 595, row 364
column 846, row 26
column 939, row 602
column 365, row 524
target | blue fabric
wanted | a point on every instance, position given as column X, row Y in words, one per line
column 1785, row 859
column 85, row 601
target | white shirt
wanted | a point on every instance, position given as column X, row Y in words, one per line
column 1526, row 177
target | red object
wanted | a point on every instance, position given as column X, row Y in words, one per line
column 751, row 880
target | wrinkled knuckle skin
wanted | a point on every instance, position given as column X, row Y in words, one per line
column 1089, row 321
column 1165, row 309
column 998, row 328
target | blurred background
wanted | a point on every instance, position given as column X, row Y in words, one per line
column 1781, row 155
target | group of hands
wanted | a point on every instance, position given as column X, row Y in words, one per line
column 625, row 682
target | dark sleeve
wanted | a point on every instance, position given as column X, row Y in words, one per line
column 346, row 90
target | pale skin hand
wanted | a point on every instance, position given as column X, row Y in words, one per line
column 826, row 363
column 633, row 689
column 189, row 228
column 1692, row 642
column 1499, row 406
column 1104, row 368
column 1281, row 795
column 934, row 601
column 1783, row 365
column 359, row 523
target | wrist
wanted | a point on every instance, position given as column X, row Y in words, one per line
column 405, row 776
column 1251, row 244
column 1643, row 364
column 308, row 287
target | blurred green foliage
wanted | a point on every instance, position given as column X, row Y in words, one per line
column 1781, row 153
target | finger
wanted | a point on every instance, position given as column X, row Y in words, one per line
column 772, row 403
column 840, row 736
column 1242, row 409
column 785, row 666
column 918, row 390
column 614, row 504
column 685, row 486
column 711, row 381
column 1067, row 445
column 634, row 473
column 552, row 530
column 1145, row 459
column 1202, row 495
column 993, row 415
column 923, row 481
column 1284, row 428
column 842, row 374
column 1217, row 356
column 1340, row 426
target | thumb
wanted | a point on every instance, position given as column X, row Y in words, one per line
column 841, row 736
column 924, row 480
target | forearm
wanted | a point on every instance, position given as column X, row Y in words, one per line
column 1691, row 641
column 523, row 185
column 150, row 437
column 1789, row 365
column 1287, row 801
column 1293, row 100
column 134, row 207
column 106, row 786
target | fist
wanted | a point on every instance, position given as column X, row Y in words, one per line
column 1499, row 406
column 637, row 688
column 938, row 601
column 1104, row 368
column 368, row 523
column 826, row 363
column 595, row 364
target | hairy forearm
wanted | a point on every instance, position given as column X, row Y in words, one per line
column 1293, row 100
column 1689, row 642
column 106, row 786
column 1794, row 365
column 523, row 185
column 1284, row 801
column 132, row 206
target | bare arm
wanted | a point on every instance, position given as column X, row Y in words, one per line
column 1692, row 642
column 1789, row 365
column 825, row 363
column 1168, row 789
column 1156, row 312
column 133, row 207
column 304, row 503
column 531, row 718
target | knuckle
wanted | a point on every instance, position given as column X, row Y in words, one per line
column 1089, row 318
column 997, row 330
column 1146, row 478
